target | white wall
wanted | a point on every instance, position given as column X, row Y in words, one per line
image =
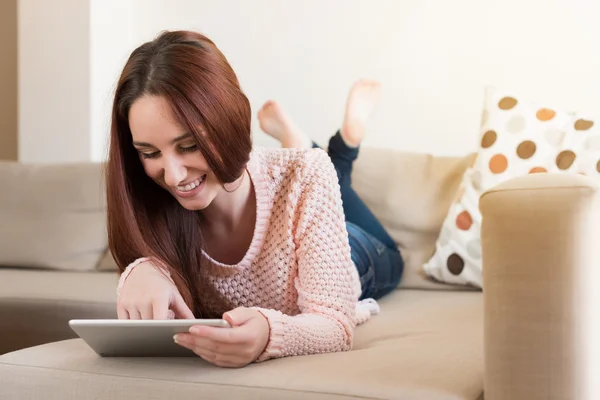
column 111, row 41
column 434, row 58
column 70, row 55
column 53, row 80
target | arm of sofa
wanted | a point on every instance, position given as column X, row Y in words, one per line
column 541, row 288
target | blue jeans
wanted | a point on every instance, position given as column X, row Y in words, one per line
column 373, row 251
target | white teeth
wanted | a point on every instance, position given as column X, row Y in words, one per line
column 190, row 186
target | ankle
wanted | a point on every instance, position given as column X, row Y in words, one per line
column 348, row 143
column 347, row 133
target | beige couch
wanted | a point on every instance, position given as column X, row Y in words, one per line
column 428, row 342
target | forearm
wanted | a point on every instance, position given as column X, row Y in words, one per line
column 306, row 334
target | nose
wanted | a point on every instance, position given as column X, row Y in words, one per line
column 174, row 171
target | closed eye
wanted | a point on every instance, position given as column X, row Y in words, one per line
column 151, row 155
column 188, row 149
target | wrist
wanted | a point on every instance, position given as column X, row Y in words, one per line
column 134, row 265
column 274, row 344
column 266, row 330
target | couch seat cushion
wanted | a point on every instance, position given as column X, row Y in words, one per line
column 36, row 305
column 423, row 345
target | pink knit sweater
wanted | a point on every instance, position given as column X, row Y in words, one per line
column 297, row 271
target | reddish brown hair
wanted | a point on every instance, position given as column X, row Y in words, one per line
column 188, row 70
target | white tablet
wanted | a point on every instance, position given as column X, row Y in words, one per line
column 137, row 338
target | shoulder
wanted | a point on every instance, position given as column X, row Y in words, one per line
column 278, row 164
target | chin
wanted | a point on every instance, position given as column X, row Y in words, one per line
column 193, row 204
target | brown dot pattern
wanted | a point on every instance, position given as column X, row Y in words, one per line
column 565, row 159
column 507, row 103
column 488, row 139
column 583, row 125
column 517, row 137
column 526, row 149
column 455, row 264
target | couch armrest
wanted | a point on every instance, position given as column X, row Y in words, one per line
column 541, row 288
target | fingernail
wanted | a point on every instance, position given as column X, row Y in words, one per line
column 175, row 338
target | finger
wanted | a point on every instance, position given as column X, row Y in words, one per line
column 160, row 309
column 146, row 310
column 223, row 355
column 221, row 335
column 197, row 345
column 134, row 313
column 225, row 361
column 182, row 311
column 239, row 316
column 191, row 341
column 122, row 312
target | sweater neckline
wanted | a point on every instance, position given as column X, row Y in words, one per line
column 260, row 225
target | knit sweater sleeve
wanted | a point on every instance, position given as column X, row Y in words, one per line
column 327, row 282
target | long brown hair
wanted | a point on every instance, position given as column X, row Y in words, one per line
column 190, row 72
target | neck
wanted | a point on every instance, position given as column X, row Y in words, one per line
column 229, row 207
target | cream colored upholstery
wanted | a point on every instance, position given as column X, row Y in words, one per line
column 51, row 216
column 540, row 237
column 410, row 194
column 35, row 306
column 425, row 345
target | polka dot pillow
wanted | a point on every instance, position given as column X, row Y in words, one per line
column 517, row 137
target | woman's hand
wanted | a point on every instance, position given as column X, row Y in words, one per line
column 148, row 293
column 232, row 347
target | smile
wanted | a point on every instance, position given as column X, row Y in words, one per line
column 192, row 188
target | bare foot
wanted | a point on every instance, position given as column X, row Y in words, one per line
column 364, row 96
column 277, row 124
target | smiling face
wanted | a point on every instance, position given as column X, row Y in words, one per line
column 170, row 155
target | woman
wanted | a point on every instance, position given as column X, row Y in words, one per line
column 203, row 226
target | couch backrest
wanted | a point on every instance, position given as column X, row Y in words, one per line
column 52, row 215
column 410, row 193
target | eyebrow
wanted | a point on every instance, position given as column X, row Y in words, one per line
column 177, row 139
